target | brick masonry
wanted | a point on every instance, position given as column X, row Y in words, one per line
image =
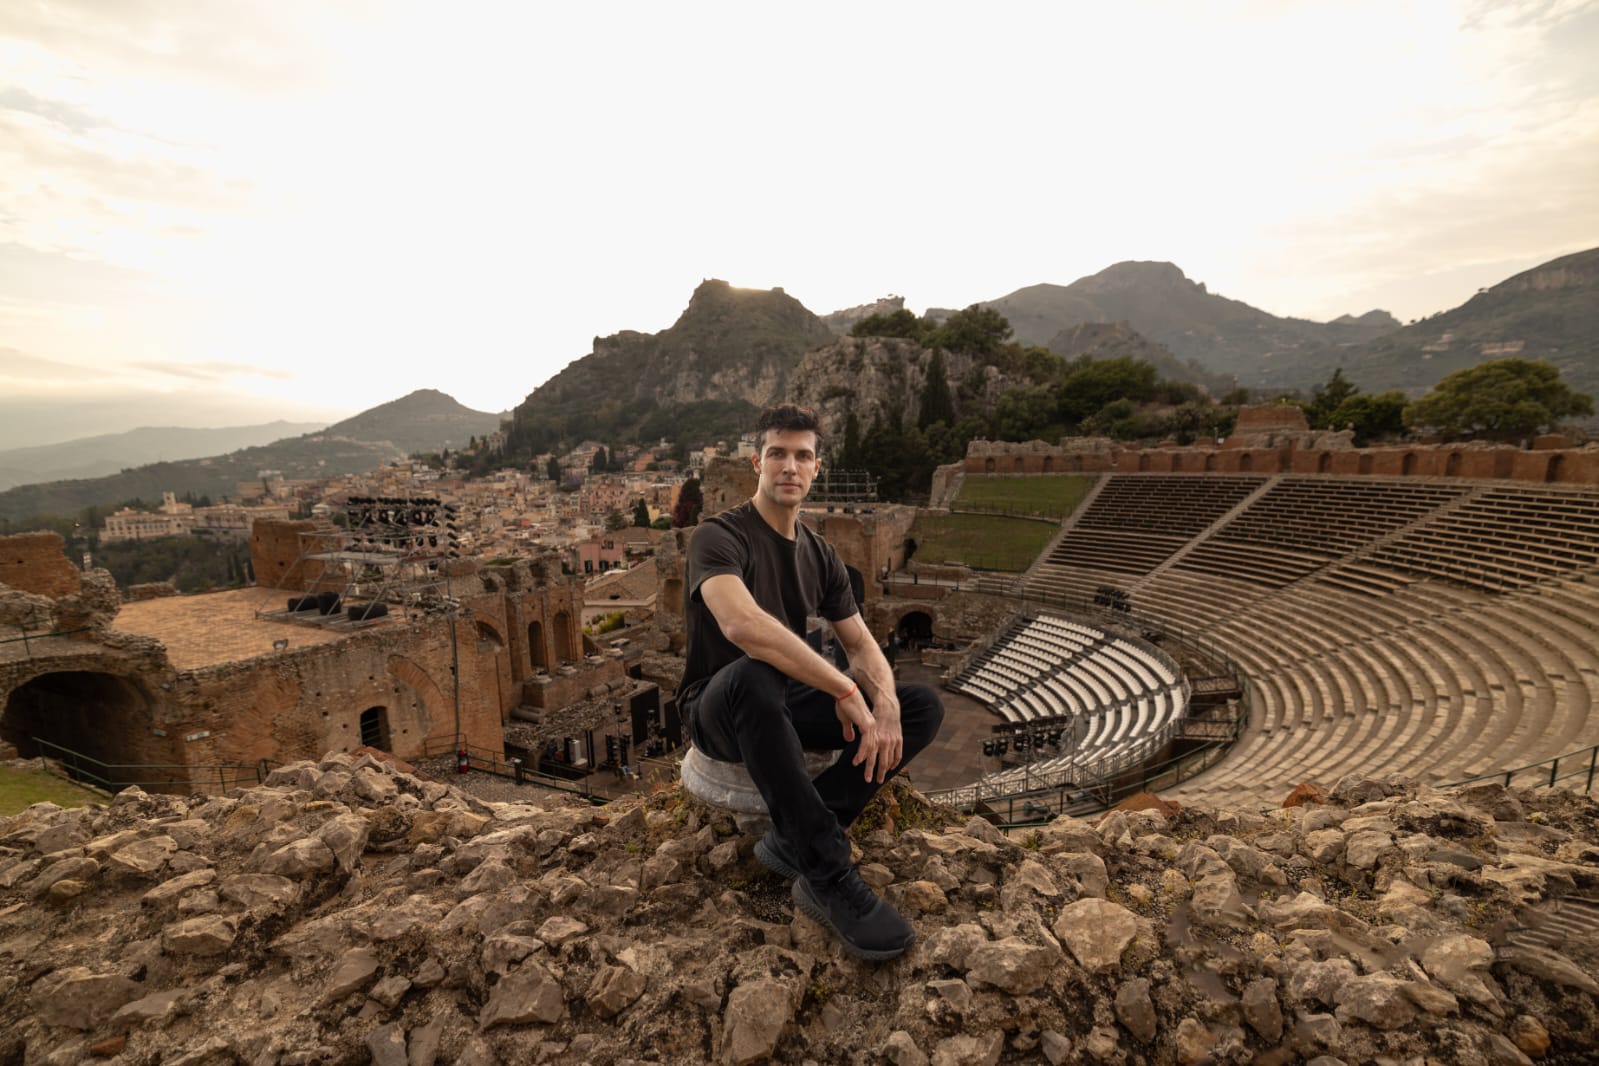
column 195, row 682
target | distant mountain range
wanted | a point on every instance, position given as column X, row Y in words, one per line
column 110, row 452
column 425, row 420
column 1226, row 337
column 1549, row 312
column 733, row 350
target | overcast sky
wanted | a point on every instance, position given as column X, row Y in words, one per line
column 303, row 206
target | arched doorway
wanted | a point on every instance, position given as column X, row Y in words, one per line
column 1246, row 463
column 910, row 549
column 537, row 653
column 1452, row 465
column 102, row 720
column 1143, row 462
column 1210, row 461
column 564, row 648
column 1407, row 465
column 915, row 629
column 988, row 466
column 1049, row 464
column 1018, row 465
column 1324, row 463
column 375, row 728
column 1556, row 468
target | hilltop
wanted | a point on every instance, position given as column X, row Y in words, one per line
column 1227, row 337
column 346, row 912
column 730, row 353
column 1549, row 312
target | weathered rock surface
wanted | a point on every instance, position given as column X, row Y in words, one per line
column 344, row 913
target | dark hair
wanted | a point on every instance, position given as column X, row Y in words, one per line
column 786, row 416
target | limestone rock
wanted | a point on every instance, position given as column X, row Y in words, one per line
column 346, row 837
column 1012, row 965
column 1096, row 931
column 900, row 1049
column 299, row 859
column 260, row 890
column 79, row 998
column 1261, row 1009
column 1378, row 999
column 386, row 1044
column 354, row 971
column 756, row 1015
column 614, row 989
column 964, row 1050
column 207, row 935
column 1135, row 1010
column 528, row 994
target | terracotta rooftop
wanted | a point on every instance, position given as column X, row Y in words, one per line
column 219, row 627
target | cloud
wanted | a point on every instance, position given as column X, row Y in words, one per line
column 213, row 371
column 20, row 366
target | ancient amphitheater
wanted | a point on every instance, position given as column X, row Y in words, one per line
column 1386, row 626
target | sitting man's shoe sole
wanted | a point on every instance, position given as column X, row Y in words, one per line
column 775, row 856
column 806, row 899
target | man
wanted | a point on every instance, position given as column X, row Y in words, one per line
column 755, row 692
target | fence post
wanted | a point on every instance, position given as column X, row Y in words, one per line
column 1593, row 760
column 1554, row 771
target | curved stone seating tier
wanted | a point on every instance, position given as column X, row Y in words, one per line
column 728, row 784
column 1435, row 628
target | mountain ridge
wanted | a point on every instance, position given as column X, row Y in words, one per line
column 106, row 453
column 322, row 453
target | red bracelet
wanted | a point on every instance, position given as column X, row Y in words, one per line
column 853, row 687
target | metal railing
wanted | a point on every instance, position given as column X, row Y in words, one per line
column 1092, row 779
column 1586, row 760
column 112, row 777
column 489, row 761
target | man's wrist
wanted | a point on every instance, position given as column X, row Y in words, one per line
column 853, row 688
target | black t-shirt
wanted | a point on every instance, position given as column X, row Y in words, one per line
column 791, row 580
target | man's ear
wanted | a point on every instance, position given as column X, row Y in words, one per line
column 755, row 462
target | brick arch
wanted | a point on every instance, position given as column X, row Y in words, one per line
column 104, row 715
column 487, row 630
column 432, row 698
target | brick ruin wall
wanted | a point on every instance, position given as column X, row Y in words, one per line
column 304, row 701
column 1570, row 466
column 37, row 563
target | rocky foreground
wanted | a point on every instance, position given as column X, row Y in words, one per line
column 346, row 913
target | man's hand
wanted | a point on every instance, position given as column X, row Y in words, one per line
column 882, row 743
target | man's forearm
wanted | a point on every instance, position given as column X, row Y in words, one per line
column 871, row 669
column 766, row 639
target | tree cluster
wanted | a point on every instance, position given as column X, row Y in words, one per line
column 1120, row 397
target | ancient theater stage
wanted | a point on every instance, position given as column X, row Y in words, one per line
column 218, row 627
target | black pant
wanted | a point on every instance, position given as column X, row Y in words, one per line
column 750, row 712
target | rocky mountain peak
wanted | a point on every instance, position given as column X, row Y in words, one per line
column 1136, row 274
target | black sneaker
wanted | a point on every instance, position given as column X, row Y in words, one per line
column 867, row 927
column 776, row 857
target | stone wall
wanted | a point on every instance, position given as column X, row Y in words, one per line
column 1317, row 453
column 37, row 563
column 872, row 543
column 727, row 482
column 119, row 699
column 275, row 550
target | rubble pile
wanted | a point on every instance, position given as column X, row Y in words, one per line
column 344, row 912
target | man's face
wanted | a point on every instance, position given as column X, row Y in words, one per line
column 787, row 465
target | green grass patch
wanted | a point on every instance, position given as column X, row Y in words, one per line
column 21, row 787
column 984, row 542
column 1056, row 495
